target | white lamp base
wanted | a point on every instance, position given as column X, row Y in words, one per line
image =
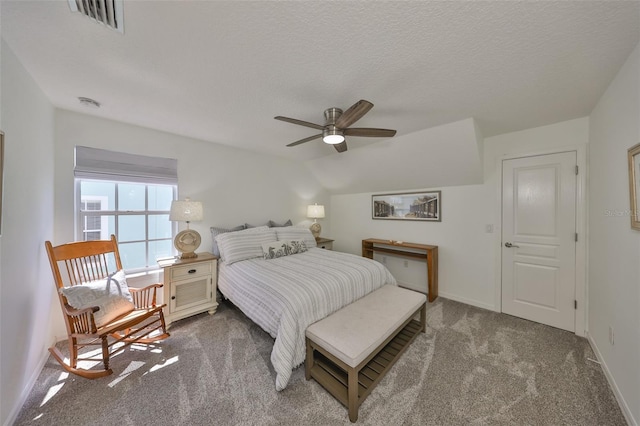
column 315, row 229
column 187, row 242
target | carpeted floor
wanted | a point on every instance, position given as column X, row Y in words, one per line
column 471, row 367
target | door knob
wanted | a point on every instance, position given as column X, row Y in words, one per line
column 509, row 245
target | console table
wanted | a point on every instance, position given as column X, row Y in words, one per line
column 412, row 250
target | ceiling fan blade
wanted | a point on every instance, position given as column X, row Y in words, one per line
column 353, row 114
column 370, row 132
column 299, row 122
column 340, row 147
column 301, row 141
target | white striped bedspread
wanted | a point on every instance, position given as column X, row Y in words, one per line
column 286, row 295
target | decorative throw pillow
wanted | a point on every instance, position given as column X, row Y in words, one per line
column 272, row 224
column 283, row 248
column 248, row 225
column 297, row 233
column 217, row 231
column 242, row 245
column 110, row 294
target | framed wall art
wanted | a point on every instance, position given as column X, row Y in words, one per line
column 634, row 185
column 425, row 206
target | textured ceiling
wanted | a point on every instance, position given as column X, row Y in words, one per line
column 220, row 71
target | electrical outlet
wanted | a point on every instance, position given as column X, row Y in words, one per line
column 611, row 336
column 406, row 263
column 384, row 260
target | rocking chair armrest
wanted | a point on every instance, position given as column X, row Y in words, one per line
column 82, row 320
column 144, row 297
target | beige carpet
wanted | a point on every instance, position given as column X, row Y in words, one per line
column 471, row 367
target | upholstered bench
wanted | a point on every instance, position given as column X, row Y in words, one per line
column 351, row 350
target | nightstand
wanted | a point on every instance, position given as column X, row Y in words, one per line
column 324, row 243
column 189, row 286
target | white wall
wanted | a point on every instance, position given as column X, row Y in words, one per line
column 450, row 154
column 614, row 248
column 460, row 235
column 26, row 292
column 468, row 255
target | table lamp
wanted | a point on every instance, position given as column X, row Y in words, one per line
column 187, row 241
column 315, row 212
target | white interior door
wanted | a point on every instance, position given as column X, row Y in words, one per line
column 538, row 238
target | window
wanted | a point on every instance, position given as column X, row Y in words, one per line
column 94, row 227
column 132, row 207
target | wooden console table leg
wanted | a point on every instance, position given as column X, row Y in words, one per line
column 432, row 273
column 423, row 318
column 430, row 255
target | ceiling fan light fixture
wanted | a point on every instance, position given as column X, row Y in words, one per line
column 332, row 136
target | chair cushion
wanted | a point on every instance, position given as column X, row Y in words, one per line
column 355, row 331
column 110, row 294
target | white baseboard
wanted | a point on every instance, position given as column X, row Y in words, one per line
column 466, row 301
column 616, row 391
column 27, row 389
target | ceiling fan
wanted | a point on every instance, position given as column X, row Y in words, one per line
column 336, row 126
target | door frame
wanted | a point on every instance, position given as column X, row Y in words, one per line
column 581, row 293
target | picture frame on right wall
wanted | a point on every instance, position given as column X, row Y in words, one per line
column 633, row 155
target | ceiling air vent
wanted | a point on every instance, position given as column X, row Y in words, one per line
column 106, row 12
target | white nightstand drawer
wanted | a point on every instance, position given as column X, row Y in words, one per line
column 324, row 243
column 326, row 246
column 189, row 271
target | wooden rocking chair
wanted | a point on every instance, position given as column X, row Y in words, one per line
column 89, row 261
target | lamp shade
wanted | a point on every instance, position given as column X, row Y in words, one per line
column 185, row 210
column 315, row 211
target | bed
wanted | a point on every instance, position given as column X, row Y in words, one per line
column 286, row 294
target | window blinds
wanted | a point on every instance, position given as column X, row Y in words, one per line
column 94, row 163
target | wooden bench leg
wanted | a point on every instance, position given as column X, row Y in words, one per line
column 308, row 363
column 353, row 394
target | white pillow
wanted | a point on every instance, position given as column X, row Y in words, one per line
column 278, row 249
column 215, row 231
column 242, row 245
column 297, row 233
column 110, row 294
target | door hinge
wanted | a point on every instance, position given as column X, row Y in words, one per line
column 575, row 304
column 576, row 237
column 576, row 169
